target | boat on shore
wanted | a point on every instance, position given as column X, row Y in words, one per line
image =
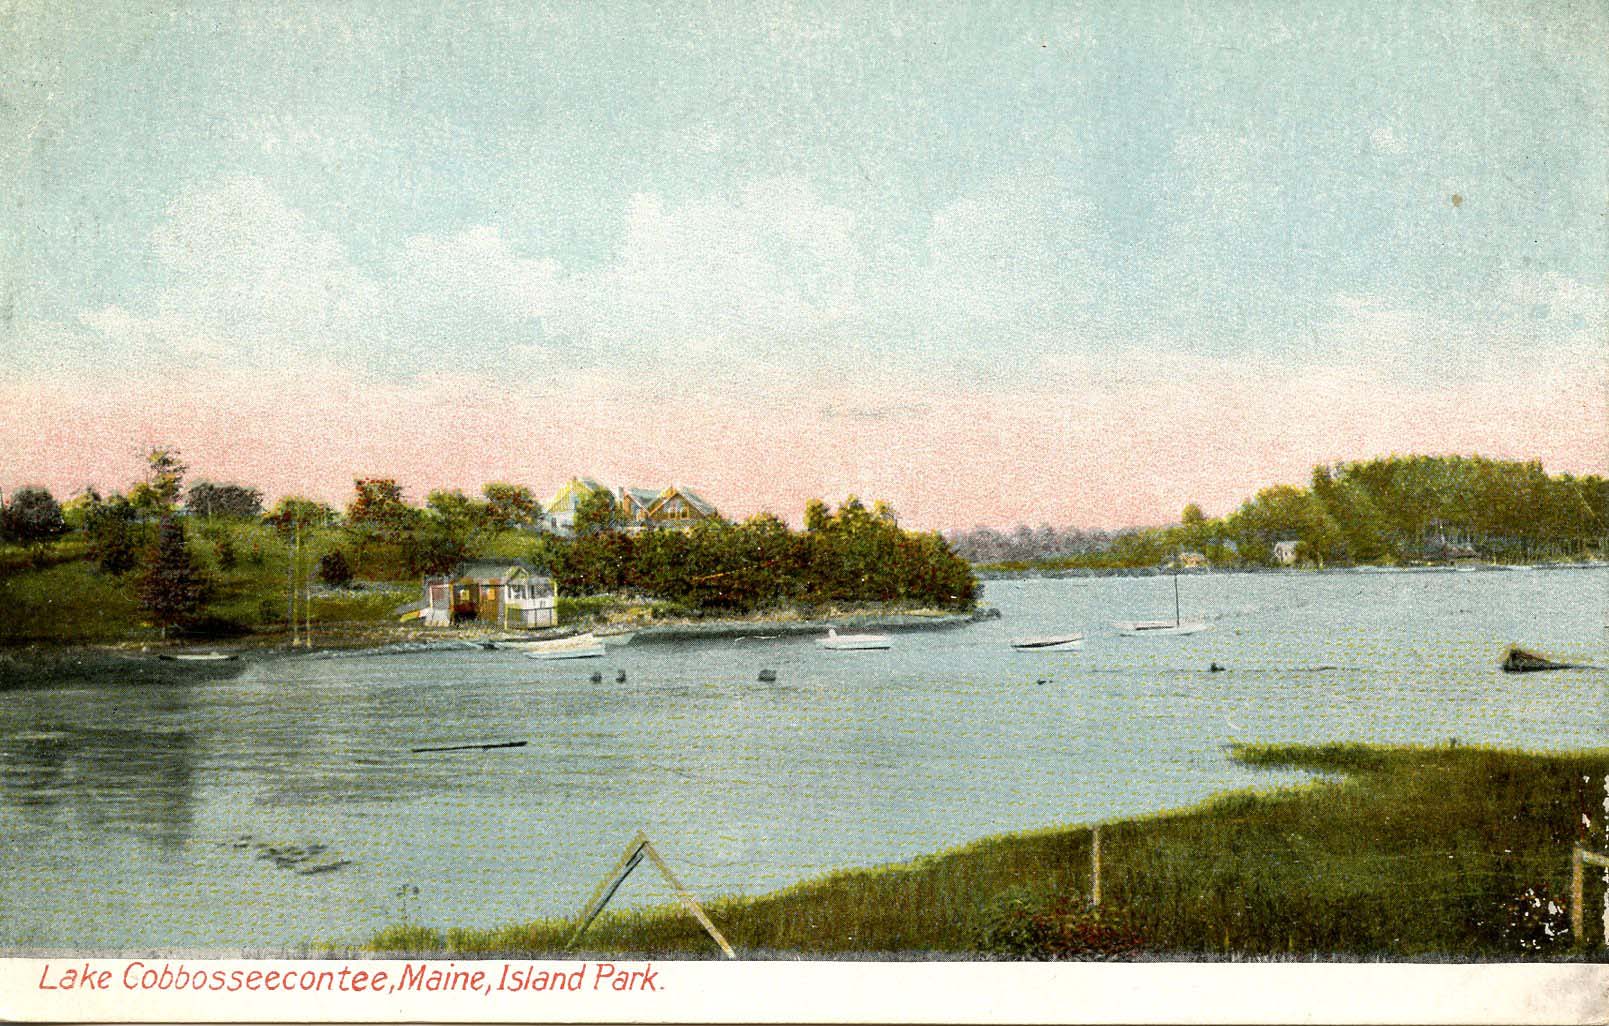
column 199, row 657
column 581, row 646
column 1051, row 643
column 854, row 642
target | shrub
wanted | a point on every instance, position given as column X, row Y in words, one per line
column 32, row 516
column 1022, row 924
column 227, row 558
column 334, row 570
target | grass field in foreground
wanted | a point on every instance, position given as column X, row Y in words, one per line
column 1408, row 853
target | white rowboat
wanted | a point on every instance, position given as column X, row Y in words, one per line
column 854, row 642
column 199, row 657
column 582, row 646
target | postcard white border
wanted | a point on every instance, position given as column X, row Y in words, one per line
column 903, row 992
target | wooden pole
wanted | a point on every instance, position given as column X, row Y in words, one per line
column 307, row 608
column 290, row 605
column 1095, row 866
column 689, row 901
column 634, row 854
column 1580, row 858
column 1578, row 898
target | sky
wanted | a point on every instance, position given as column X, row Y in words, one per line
column 1076, row 264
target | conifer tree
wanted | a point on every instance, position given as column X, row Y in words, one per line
column 171, row 588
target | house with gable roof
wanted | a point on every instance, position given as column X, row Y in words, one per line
column 677, row 506
column 504, row 592
column 558, row 513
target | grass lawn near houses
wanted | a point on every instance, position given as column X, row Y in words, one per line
column 56, row 594
column 1400, row 852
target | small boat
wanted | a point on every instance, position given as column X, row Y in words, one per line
column 199, row 657
column 616, row 637
column 582, row 646
column 1159, row 628
column 542, row 644
column 1175, row 627
column 1053, row 643
column 853, row 642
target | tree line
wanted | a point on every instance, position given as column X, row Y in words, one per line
column 1388, row 510
column 849, row 555
column 852, row 554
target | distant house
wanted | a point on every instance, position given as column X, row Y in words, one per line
column 680, row 507
column 1285, row 552
column 558, row 514
column 638, row 508
column 1191, row 561
column 635, row 503
column 508, row 593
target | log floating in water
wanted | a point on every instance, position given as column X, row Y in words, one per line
column 472, row 748
column 1518, row 660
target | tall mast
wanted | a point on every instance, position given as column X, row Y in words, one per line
column 1176, row 620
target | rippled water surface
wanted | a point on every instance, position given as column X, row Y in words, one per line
column 141, row 818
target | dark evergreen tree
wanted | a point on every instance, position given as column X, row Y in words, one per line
column 172, row 588
column 334, row 570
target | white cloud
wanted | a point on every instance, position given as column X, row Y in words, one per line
column 758, row 275
column 1018, row 248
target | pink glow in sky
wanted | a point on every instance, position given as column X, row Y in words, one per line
column 1070, row 452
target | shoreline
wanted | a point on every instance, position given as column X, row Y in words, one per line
column 1033, row 573
column 69, row 663
column 1308, row 850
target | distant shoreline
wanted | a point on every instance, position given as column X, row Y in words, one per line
column 984, row 573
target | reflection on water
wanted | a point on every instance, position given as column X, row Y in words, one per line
column 140, row 781
column 287, row 805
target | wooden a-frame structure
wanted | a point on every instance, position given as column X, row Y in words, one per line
column 639, row 848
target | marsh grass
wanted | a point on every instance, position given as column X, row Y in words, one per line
column 1413, row 853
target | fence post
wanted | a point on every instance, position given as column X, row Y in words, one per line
column 1095, row 866
column 1578, row 897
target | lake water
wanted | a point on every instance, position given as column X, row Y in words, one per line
column 131, row 818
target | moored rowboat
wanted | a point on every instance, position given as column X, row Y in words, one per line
column 582, row 646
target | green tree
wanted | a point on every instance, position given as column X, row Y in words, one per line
column 158, row 494
column 510, row 506
column 171, row 588
column 207, row 499
column 32, row 517
column 597, row 512
column 112, row 528
column 816, row 515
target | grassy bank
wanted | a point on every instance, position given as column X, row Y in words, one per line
column 1406, row 853
column 56, row 594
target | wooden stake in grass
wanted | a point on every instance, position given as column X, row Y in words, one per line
column 1095, row 866
column 1580, row 858
column 633, row 856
